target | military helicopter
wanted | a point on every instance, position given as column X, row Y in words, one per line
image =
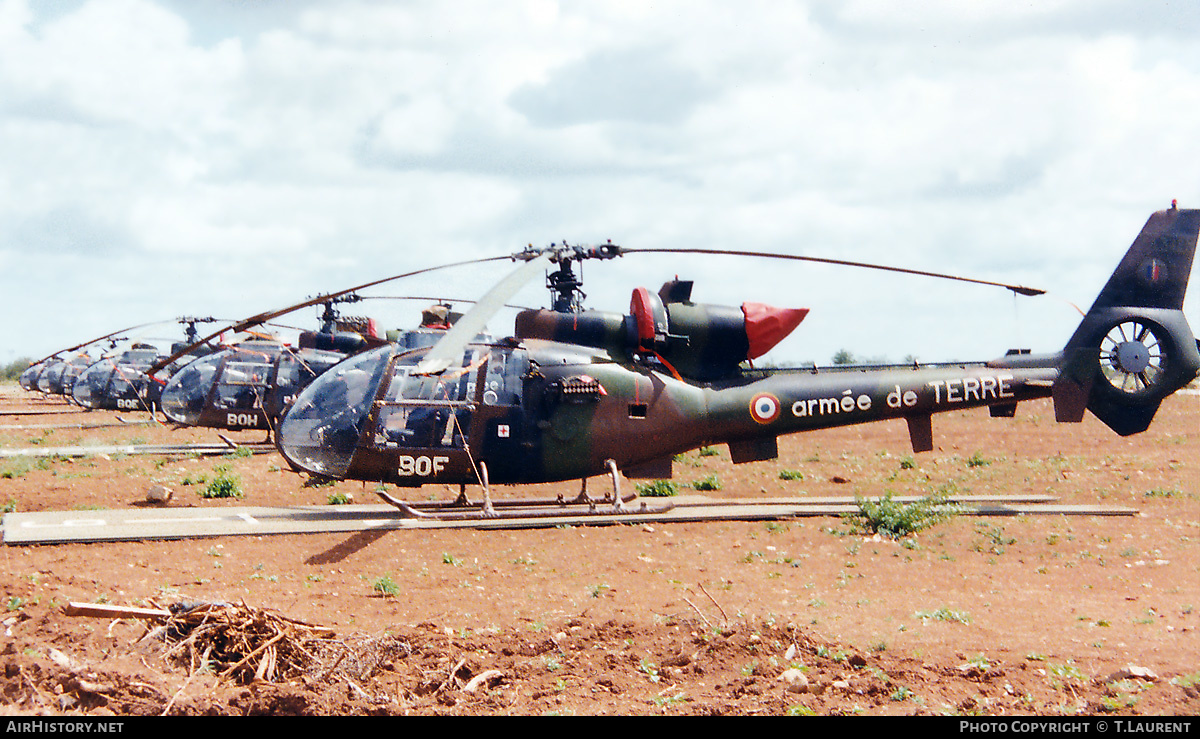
column 578, row 393
column 29, row 378
column 57, row 375
column 118, row 381
column 248, row 385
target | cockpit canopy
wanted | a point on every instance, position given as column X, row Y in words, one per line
column 119, row 382
column 58, row 378
column 377, row 402
column 255, row 377
column 29, row 378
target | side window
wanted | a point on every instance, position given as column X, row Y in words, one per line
column 242, row 384
column 427, row 411
column 504, row 383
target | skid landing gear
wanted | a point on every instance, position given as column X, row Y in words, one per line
column 581, row 505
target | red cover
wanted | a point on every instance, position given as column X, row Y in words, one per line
column 641, row 305
column 766, row 326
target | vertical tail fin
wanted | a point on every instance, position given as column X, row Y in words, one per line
column 1155, row 270
column 1134, row 347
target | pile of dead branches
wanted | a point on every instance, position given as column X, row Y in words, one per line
column 240, row 643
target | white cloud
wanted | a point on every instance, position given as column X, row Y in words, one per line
column 322, row 144
column 123, row 62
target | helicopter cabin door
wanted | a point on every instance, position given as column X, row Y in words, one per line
column 421, row 412
column 499, row 433
column 238, row 395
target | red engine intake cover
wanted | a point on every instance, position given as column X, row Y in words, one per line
column 766, row 326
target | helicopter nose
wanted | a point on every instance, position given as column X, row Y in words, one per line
column 320, row 431
column 183, row 401
column 50, row 381
column 90, row 385
column 184, row 395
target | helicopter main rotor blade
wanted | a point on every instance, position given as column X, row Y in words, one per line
column 1018, row 289
column 449, row 349
column 270, row 315
column 102, row 338
column 437, row 299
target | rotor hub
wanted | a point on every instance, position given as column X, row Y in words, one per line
column 1132, row 356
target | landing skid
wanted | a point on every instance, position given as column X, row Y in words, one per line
column 515, row 509
column 582, row 505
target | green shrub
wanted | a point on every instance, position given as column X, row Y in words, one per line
column 386, row 587
column 15, row 469
column 13, row 370
column 895, row 520
column 978, row 460
column 657, row 489
column 224, row 485
column 708, row 483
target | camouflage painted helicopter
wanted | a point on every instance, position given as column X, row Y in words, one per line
column 250, row 384
column 29, row 378
column 56, row 375
column 580, row 393
column 59, row 374
column 118, row 381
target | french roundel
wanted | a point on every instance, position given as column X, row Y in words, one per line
column 764, row 407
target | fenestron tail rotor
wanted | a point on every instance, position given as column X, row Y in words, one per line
column 1132, row 357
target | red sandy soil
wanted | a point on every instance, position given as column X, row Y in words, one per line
column 996, row 616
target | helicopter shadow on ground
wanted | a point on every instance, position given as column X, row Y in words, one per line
column 352, row 545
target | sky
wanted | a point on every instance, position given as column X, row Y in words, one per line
column 161, row 158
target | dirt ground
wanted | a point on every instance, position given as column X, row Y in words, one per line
column 1042, row 615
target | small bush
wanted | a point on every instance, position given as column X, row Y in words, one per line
column 791, row 475
column 386, row 587
column 944, row 614
column 657, row 489
column 895, row 520
column 708, row 483
column 15, row 470
column 224, row 485
column 978, row 460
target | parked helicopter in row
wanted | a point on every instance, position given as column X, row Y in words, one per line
column 113, row 381
column 56, row 375
column 28, row 380
column 250, row 384
column 577, row 393
column 118, row 381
